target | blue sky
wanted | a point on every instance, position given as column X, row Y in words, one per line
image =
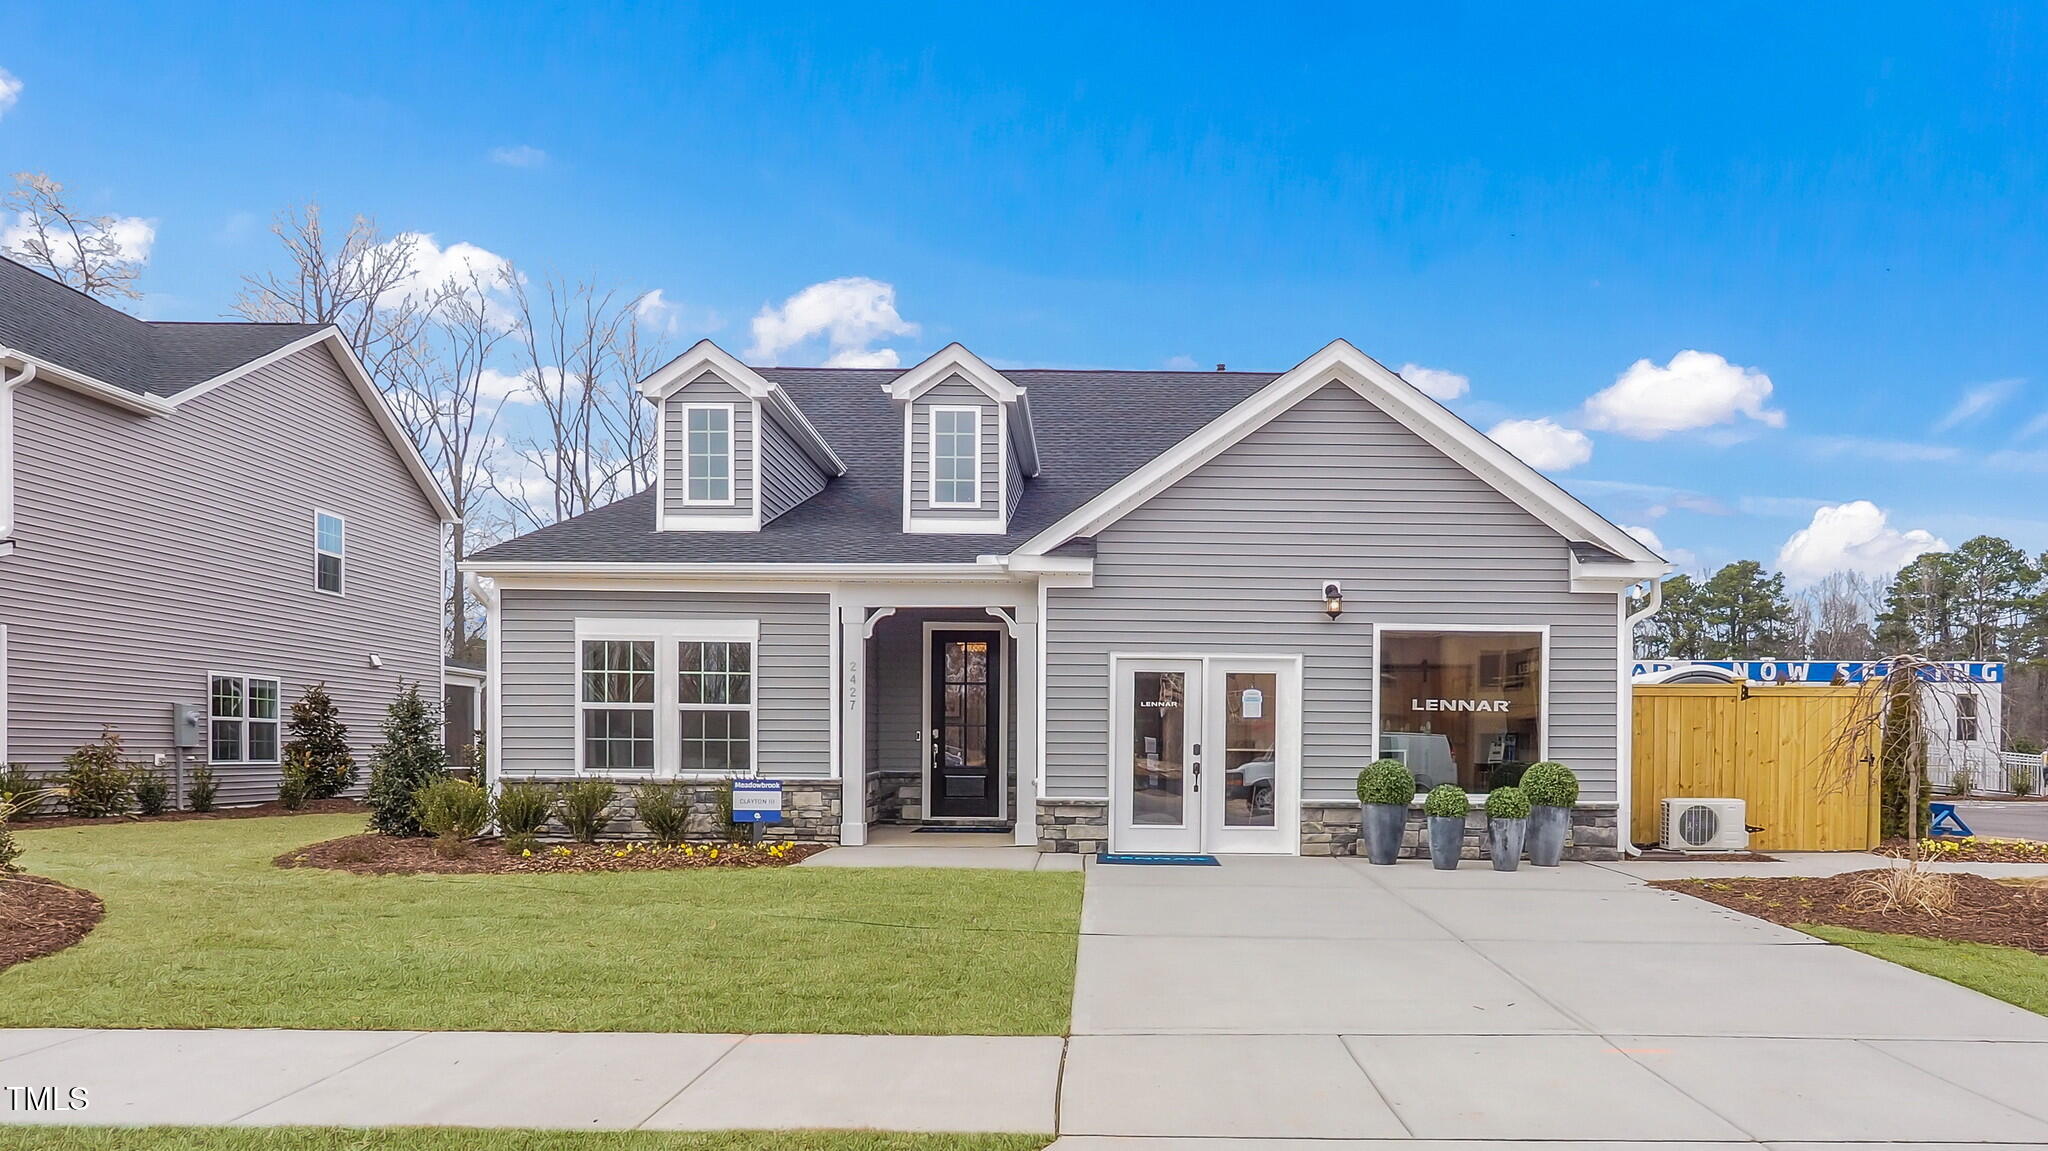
column 1850, row 202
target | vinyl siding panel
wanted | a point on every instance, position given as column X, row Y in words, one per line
column 954, row 392
column 707, row 389
column 152, row 550
column 1232, row 558
column 793, row 669
column 788, row 477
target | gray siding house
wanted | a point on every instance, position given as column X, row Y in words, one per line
column 207, row 516
column 1166, row 612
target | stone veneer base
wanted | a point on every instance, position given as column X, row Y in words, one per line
column 1333, row 829
column 1078, row 826
column 810, row 811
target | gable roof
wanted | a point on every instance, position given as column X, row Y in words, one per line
column 154, row 366
column 1109, row 440
column 42, row 318
column 705, row 356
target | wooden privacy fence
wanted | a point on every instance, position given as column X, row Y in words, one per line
column 1765, row 745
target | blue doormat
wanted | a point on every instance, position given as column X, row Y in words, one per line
column 942, row 829
column 1160, row 860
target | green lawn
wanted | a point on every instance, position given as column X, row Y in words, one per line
column 202, row 931
column 457, row 1139
column 2018, row 976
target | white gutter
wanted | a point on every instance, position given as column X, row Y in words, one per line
column 1625, row 735
column 147, row 404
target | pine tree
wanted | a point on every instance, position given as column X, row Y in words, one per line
column 319, row 734
column 410, row 758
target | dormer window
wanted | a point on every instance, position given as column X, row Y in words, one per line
column 708, row 444
column 956, row 457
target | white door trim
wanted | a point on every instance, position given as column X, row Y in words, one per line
column 1004, row 689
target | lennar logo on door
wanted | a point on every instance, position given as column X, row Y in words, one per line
column 1458, row 704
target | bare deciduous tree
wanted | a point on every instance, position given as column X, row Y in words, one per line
column 94, row 254
column 356, row 282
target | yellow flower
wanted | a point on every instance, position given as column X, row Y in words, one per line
column 527, row 854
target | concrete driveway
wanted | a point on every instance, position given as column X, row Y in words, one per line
column 1332, row 1000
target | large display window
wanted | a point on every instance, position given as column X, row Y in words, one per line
column 1463, row 707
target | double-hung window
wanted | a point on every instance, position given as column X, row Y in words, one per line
column 715, row 694
column 707, row 444
column 330, row 551
column 667, row 697
column 956, row 457
column 615, row 705
column 242, row 719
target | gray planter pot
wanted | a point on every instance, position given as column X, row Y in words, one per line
column 1547, row 829
column 1446, row 841
column 1504, row 842
column 1384, row 823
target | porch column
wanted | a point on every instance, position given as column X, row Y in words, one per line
column 853, row 743
column 1024, row 641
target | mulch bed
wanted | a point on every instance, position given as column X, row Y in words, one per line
column 1658, row 855
column 1986, row 911
column 384, row 855
column 41, row 917
column 260, row 811
column 1969, row 849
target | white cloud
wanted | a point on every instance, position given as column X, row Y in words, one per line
column 1436, row 383
column 1181, row 364
column 433, row 266
column 849, row 314
column 506, row 387
column 519, row 156
column 1891, row 451
column 2033, row 427
column 134, row 236
column 1680, row 556
column 1695, row 390
column 1543, row 444
column 1976, row 401
column 1855, row 536
column 10, row 90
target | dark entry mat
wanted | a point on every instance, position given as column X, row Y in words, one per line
column 940, row 830
column 1160, row 860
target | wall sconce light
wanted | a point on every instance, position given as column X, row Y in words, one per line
column 1333, row 599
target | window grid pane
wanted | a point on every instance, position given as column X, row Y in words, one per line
column 708, row 446
column 956, row 461
column 618, row 671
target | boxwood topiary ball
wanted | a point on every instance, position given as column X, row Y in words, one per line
column 1507, row 803
column 1447, row 800
column 1549, row 784
column 1386, row 781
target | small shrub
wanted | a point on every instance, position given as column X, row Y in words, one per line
column 2025, row 745
column 98, row 780
column 1962, row 780
column 2022, row 780
column 1447, row 800
column 318, row 733
column 523, row 808
column 11, row 808
column 21, row 793
column 1507, row 803
column 519, row 843
column 409, row 758
column 726, row 827
column 1386, row 781
column 1507, row 774
column 587, row 808
column 295, row 779
column 453, row 810
column 1549, row 784
column 152, row 792
column 201, row 789
column 664, row 809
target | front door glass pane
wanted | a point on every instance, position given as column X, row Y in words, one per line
column 964, row 726
column 1250, row 748
column 1158, row 748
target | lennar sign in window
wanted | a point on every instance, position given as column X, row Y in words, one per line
column 1462, row 707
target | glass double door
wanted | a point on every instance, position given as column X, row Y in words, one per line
column 1207, row 756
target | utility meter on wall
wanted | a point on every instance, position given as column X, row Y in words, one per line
column 188, row 726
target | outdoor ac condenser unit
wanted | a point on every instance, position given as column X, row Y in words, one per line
column 1705, row 825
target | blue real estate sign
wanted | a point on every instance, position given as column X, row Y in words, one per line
column 757, row 801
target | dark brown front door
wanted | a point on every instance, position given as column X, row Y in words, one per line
column 966, row 731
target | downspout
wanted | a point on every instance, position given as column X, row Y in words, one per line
column 8, row 384
column 1625, row 736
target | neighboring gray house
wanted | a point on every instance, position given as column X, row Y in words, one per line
column 213, row 515
column 1154, row 611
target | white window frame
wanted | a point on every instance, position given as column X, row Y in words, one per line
column 277, row 693
column 667, row 636
column 583, row 706
column 340, row 556
column 1968, row 712
column 1541, row 630
column 931, row 479
column 732, row 480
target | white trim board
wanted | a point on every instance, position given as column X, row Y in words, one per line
column 1542, row 630
column 954, row 359
column 667, row 707
column 1339, row 362
column 705, row 355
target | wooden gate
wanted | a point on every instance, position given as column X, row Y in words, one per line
column 1765, row 745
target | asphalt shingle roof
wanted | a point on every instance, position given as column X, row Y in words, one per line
column 51, row 322
column 1094, row 428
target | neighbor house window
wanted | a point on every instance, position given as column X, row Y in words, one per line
column 242, row 719
column 708, row 442
column 1463, row 707
column 715, row 698
column 330, row 551
column 615, row 705
column 956, row 457
column 1966, row 719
